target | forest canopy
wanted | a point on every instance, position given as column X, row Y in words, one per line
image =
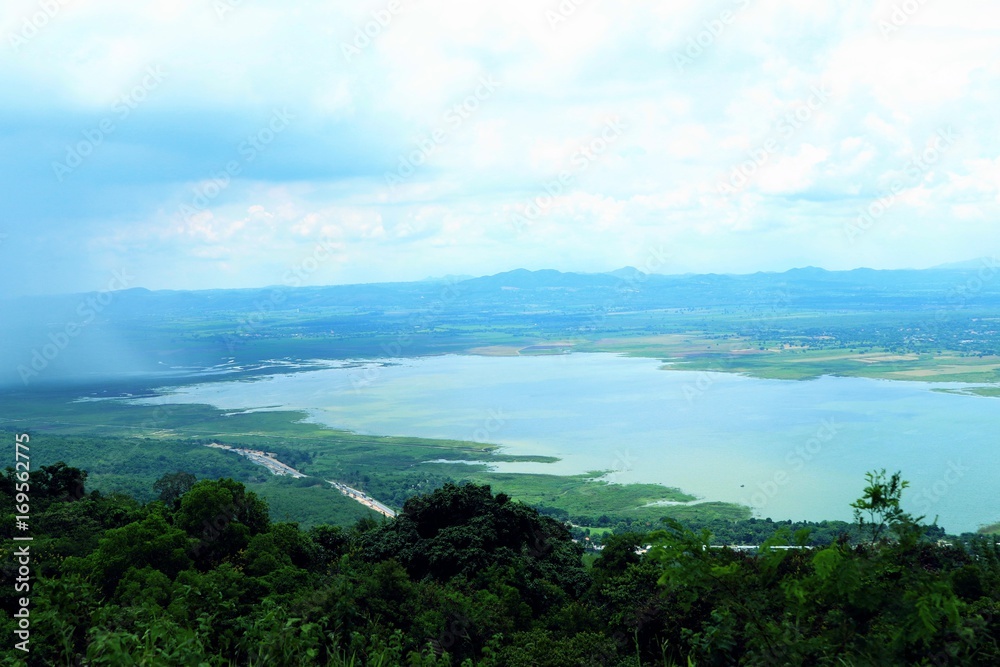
column 463, row 576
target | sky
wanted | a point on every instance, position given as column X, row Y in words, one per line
column 191, row 144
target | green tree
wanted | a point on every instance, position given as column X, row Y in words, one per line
column 878, row 510
column 174, row 485
column 222, row 515
column 619, row 552
column 150, row 542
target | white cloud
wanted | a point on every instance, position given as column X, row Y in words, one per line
column 750, row 86
column 794, row 173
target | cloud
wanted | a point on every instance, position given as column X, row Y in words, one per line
column 397, row 152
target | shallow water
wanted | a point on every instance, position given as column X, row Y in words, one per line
column 789, row 449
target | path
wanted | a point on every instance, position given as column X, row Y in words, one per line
column 269, row 461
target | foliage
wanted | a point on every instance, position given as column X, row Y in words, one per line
column 174, row 485
column 465, row 576
column 878, row 509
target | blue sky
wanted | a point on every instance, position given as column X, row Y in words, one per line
column 235, row 143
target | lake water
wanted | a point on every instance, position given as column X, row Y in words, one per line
column 788, row 449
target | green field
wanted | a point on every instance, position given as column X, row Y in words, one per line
column 796, row 360
column 127, row 447
column 786, row 358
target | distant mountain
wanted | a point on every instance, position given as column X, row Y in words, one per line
column 449, row 278
column 628, row 273
column 972, row 264
column 806, row 272
column 542, row 279
column 806, row 286
column 136, row 330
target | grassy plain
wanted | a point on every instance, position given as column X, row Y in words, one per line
column 986, row 392
column 788, row 359
column 126, row 447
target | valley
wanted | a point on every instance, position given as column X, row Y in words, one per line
column 804, row 325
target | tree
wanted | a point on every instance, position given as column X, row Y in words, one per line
column 150, row 542
column 878, row 509
column 174, row 485
column 57, row 482
column 619, row 552
column 222, row 515
column 214, row 503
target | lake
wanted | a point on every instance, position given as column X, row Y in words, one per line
column 788, row 449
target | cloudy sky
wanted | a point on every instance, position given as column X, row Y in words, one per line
column 234, row 143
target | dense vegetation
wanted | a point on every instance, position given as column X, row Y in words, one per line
column 102, row 437
column 203, row 576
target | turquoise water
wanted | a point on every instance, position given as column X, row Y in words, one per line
column 788, row 449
